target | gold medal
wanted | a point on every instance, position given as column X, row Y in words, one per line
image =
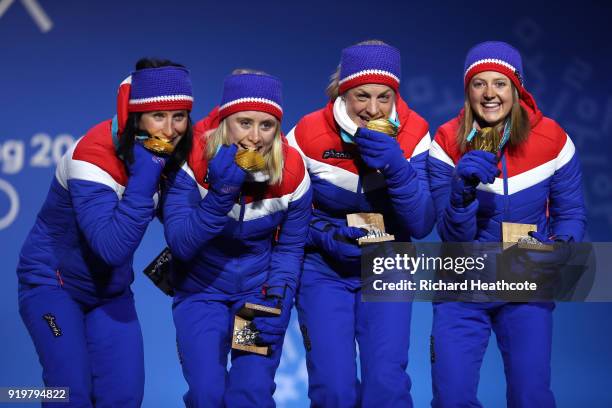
column 487, row 139
column 250, row 160
column 383, row 126
column 158, row 145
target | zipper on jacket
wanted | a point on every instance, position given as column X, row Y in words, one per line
column 505, row 179
column 242, row 209
column 239, row 277
column 59, row 278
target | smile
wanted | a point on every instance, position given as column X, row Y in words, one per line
column 491, row 106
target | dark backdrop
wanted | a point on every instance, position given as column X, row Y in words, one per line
column 61, row 62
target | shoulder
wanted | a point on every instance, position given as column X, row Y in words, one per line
column 444, row 146
column 294, row 171
column 310, row 127
column 410, row 121
column 413, row 136
column 196, row 162
column 549, row 130
column 97, row 150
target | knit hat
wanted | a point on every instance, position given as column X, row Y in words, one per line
column 369, row 64
column 251, row 92
column 154, row 89
column 494, row 56
column 499, row 57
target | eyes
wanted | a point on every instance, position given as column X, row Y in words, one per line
column 265, row 125
column 364, row 97
column 176, row 117
column 499, row 84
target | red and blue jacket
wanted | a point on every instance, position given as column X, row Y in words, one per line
column 90, row 224
column 540, row 183
column 343, row 184
column 259, row 242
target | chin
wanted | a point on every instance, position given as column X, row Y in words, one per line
column 492, row 120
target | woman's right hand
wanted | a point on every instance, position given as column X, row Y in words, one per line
column 145, row 171
column 476, row 166
column 339, row 242
column 224, row 175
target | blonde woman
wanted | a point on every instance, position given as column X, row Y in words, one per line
column 237, row 232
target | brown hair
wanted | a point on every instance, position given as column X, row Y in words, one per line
column 518, row 116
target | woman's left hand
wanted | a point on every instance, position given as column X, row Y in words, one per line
column 272, row 328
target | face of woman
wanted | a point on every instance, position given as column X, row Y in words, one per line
column 491, row 97
column 369, row 102
column 167, row 125
column 252, row 130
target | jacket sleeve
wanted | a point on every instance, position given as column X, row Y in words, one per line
column 566, row 205
column 453, row 224
column 410, row 195
column 288, row 252
column 190, row 221
column 314, row 220
column 113, row 227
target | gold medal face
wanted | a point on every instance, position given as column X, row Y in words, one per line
column 250, row 160
column 487, row 139
column 158, row 145
column 383, row 126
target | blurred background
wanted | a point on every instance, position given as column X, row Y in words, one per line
column 61, row 63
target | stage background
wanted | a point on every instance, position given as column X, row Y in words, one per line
column 61, row 63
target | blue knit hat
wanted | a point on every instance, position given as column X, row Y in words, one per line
column 494, row 56
column 164, row 88
column 154, row 89
column 370, row 64
column 251, row 92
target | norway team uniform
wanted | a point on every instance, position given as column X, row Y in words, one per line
column 75, row 271
column 332, row 315
column 539, row 183
column 224, row 259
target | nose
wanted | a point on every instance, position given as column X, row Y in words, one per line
column 489, row 92
column 372, row 108
column 254, row 137
column 167, row 129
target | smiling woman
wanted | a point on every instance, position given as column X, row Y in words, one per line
column 369, row 102
column 492, row 100
column 532, row 177
column 356, row 168
column 169, row 126
column 166, row 132
column 75, row 268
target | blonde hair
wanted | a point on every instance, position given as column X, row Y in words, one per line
column 519, row 130
column 334, row 79
column 274, row 157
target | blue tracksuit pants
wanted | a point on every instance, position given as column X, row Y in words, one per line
column 459, row 340
column 203, row 330
column 90, row 345
column 332, row 317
